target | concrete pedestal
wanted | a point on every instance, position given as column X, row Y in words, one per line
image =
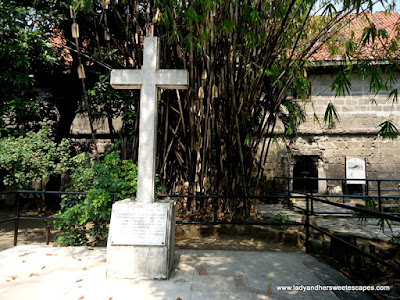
column 141, row 240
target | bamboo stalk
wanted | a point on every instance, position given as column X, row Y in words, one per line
column 86, row 98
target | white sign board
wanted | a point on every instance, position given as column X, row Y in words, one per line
column 355, row 168
column 139, row 227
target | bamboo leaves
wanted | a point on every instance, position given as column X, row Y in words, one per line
column 388, row 130
column 341, row 84
column 191, row 17
column 393, row 96
column 331, row 116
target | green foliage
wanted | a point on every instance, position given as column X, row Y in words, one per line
column 395, row 239
column 393, row 95
column 28, row 158
column 376, row 82
column 107, row 102
column 388, row 130
column 369, row 34
column 382, row 222
column 331, row 116
column 25, row 51
column 105, row 181
column 371, row 205
column 281, row 218
column 82, row 5
column 341, row 85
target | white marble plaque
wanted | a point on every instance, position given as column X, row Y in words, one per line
column 139, row 227
column 355, row 168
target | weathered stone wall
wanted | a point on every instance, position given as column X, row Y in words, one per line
column 80, row 131
column 357, row 113
column 356, row 135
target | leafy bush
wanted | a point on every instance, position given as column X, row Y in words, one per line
column 84, row 216
column 281, row 218
column 25, row 159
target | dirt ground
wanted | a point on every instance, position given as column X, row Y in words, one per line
column 33, row 232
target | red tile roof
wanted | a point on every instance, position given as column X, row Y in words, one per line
column 353, row 30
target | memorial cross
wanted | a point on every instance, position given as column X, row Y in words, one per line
column 148, row 79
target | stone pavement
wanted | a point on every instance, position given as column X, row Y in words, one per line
column 338, row 222
column 45, row 272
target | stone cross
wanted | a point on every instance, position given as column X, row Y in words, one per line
column 148, row 80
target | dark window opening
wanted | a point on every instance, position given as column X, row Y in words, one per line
column 304, row 168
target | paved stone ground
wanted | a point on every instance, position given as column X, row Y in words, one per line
column 45, row 272
column 340, row 222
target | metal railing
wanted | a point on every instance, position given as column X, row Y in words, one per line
column 379, row 193
column 18, row 217
column 358, row 210
column 308, row 211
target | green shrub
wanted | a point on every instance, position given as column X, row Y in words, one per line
column 34, row 156
column 105, row 181
column 281, row 218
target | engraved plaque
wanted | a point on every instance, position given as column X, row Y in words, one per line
column 139, row 227
column 355, row 168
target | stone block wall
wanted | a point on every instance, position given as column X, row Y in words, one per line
column 357, row 113
column 355, row 136
column 381, row 156
column 80, row 131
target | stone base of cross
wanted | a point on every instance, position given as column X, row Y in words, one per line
column 141, row 240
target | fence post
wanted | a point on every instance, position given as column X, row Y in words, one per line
column 274, row 186
column 312, row 206
column 379, row 196
column 307, row 224
column 312, row 202
column 346, row 199
column 16, row 226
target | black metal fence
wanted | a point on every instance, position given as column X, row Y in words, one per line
column 308, row 211
column 358, row 210
column 379, row 189
column 18, row 199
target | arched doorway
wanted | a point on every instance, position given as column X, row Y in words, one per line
column 304, row 168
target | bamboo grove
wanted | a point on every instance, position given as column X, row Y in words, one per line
column 244, row 59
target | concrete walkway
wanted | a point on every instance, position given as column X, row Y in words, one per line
column 45, row 272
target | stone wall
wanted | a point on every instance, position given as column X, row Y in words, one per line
column 358, row 114
column 356, row 135
column 80, row 131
